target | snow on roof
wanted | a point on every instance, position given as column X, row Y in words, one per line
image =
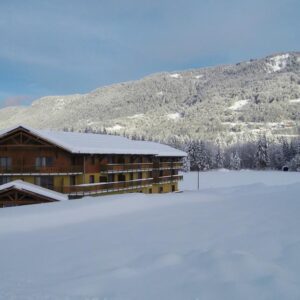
column 90, row 143
column 26, row 186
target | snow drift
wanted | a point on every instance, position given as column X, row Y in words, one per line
column 238, row 241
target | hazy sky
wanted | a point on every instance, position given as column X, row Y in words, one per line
column 51, row 47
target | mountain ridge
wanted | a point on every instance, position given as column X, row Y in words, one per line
column 229, row 102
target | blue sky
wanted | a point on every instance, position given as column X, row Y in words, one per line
column 69, row 46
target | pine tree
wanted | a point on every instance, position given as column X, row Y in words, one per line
column 286, row 151
column 219, row 159
column 262, row 156
column 193, row 152
column 297, row 146
column 198, row 156
column 204, row 159
column 186, row 164
column 294, row 164
column 235, row 161
column 276, row 157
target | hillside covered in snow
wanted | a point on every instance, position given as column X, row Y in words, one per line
column 236, row 238
column 232, row 102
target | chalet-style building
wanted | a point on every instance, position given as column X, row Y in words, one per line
column 42, row 166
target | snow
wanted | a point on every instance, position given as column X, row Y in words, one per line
column 278, row 63
column 238, row 240
column 116, row 127
column 26, row 186
column 295, row 101
column 76, row 142
column 239, row 104
column 136, row 116
column 175, row 75
column 230, row 123
column 199, row 76
column 226, row 178
column 173, row 116
column 59, row 103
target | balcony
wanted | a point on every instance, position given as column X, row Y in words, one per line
column 33, row 170
column 168, row 165
column 168, row 179
column 105, row 187
column 126, row 168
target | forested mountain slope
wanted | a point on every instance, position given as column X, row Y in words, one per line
column 231, row 102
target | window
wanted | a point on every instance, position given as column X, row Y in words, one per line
column 37, row 180
column 113, row 159
column 140, row 175
column 121, row 160
column 102, row 179
column 131, row 176
column 92, row 179
column 161, row 173
column 5, row 163
column 161, row 189
column 110, row 177
column 72, row 180
column 150, row 191
column 4, row 179
column 44, row 161
column 44, row 181
column 121, row 177
column 73, row 160
column 93, row 160
column 173, row 188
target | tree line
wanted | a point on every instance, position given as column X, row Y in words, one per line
column 264, row 153
column 261, row 154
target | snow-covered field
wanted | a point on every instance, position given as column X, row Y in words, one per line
column 228, row 178
column 236, row 238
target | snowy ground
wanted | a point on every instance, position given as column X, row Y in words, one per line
column 228, row 178
column 237, row 238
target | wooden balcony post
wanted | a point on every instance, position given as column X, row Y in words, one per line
column 83, row 181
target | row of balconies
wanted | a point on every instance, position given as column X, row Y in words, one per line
column 109, row 168
column 109, row 187
column 121, row 168
column 40, row 170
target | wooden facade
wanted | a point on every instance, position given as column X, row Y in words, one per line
column 16, row 197
column 26, row 156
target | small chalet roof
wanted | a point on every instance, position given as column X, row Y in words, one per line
column 90, row 143
column 21, row 185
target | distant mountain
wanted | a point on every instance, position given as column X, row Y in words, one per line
column 230, row 102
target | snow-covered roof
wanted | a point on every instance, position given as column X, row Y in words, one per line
column 90, row 143
column 29, row 187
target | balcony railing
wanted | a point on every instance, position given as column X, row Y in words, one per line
column 123, row 168
column 136, row 167
column 41, row 170
column 168, row 179
column 167, row 165
column 105, row 187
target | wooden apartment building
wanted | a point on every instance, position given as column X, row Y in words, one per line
column 39, row 166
